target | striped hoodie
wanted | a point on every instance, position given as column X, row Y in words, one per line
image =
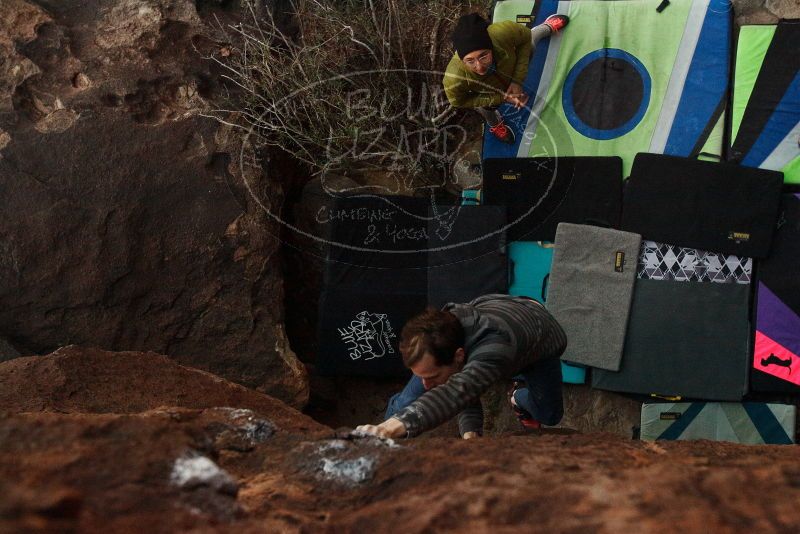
column 503, row 335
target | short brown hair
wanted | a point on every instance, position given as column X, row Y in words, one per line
column 435, row 331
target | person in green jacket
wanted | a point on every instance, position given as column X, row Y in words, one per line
column 490, row 64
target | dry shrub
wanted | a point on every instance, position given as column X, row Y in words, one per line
column 348, row 86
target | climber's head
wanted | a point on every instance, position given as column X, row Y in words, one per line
column 472, row 43
column 432, row 346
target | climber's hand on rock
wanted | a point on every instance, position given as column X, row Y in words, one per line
column 391, row 428
column 470, row 435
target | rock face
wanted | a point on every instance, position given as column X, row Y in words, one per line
column 253, row 465
column 77, row 380
column 123, row 225
column 765, row 11
column 7, row 351
column 123, row 220
column 79, row 473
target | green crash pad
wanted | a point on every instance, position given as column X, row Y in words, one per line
column 624, row 78
column 520, row 11
column 765, row 118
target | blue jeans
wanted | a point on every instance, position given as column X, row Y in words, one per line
column 541, row 396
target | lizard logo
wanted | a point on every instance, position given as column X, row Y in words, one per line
column 368, row 336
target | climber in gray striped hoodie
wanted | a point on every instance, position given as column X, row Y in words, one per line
column 458, row 352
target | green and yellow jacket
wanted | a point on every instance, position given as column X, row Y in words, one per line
column 512, row 51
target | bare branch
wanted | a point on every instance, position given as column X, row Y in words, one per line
column 356, row 86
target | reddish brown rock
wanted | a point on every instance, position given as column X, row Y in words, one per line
column 173, row 470
column 83, row 380
column 119, row 473
column 123, row 214
column 258, row 466
column 580, row 483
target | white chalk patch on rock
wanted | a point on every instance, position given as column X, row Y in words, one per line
column 252, row 428
column 334, row 444
column 192, row 471
column 389, row 442
column 350, row 471
column 236, row 413
column 257, row 431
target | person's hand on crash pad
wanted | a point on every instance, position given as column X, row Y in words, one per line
column 515, row 95
column 391, row 428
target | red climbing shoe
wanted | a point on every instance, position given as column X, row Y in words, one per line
column 503, row 133
column 524, row 417
column 556, row 22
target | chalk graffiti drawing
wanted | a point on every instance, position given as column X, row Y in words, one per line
column 368, row 336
